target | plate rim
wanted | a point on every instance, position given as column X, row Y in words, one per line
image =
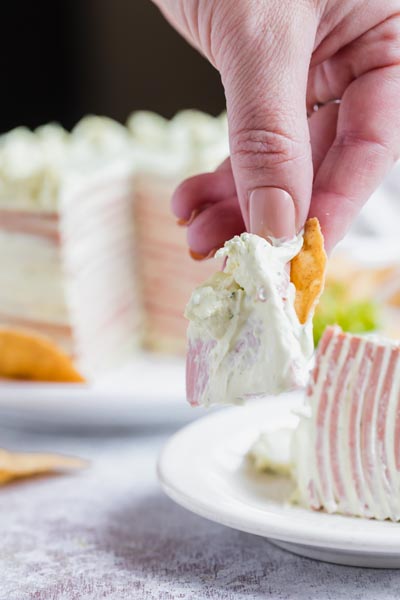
column 116, row 399
column 357, row 541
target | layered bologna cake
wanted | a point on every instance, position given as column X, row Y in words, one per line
column 87, row 236
column 346, row 448
column 67, row 241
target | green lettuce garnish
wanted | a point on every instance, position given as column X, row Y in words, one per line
column 336, row 308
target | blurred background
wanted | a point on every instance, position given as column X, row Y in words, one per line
column 64, row 60
column 61, row 60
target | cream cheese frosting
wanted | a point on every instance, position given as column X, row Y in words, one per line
column 187, row 144
column 35, row 164
column 272, row 451
column 244, row 336
column 30, row 167
column 96, row 140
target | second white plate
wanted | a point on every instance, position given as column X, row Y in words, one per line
column 149, row 391
column 203, row 468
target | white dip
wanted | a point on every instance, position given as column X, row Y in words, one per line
column 244, row 335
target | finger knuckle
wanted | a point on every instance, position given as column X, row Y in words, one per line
column 256, row 148
column 390, row 41
column 355, row 140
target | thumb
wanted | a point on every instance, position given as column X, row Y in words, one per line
column 264, row 73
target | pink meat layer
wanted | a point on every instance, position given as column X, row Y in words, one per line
column 336, row 412
column 44, row 225
column 197, row 369
column 60, row 334
column 93, row 238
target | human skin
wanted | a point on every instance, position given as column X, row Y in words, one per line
column 278, row 60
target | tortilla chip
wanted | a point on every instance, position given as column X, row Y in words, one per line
column 16, row 465
column 24, row 355
column 307, row 271
column 394, row 299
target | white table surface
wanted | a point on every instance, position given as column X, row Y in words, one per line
column 110, row 533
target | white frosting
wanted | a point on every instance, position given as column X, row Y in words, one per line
column 188, row 144
column 99, row 268
column 30, row 167
column 246, row 320
column 272, row 451
column 35, row 164
column 372, row 487
column 95, row 140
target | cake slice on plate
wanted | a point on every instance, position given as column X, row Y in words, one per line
column 346, row 449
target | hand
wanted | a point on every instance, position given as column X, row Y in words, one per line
column 278, row 59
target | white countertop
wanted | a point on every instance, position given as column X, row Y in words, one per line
column 109, row 532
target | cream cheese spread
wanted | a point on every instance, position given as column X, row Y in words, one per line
column 36, row 166
column 272, row 451
column 244, row 336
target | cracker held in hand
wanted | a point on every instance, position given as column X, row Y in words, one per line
column 307, row 271
column 27, row 356
column 16, row 465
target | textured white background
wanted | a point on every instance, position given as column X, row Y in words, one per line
column 110, row 533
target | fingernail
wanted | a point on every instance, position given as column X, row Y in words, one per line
column 272, row 213
column 189, row 221
column 198, row 256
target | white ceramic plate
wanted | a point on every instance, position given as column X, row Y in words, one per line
column 148, row 391
column 203, row 468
